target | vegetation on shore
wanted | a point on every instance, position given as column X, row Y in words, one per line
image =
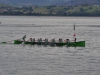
column 83, row 10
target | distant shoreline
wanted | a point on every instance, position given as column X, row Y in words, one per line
column 66, row 11
column 49, row 16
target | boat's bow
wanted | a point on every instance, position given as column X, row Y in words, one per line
column 77, row 44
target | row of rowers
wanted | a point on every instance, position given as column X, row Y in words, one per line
column 46, row 40
column 52, row 40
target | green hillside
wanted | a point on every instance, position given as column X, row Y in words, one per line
column 84, row 10
column 69, row 11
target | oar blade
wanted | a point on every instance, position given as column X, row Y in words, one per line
column 3, row 42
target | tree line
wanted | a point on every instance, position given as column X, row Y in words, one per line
column 52, row 11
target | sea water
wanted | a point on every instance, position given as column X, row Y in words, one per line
column 46, row 60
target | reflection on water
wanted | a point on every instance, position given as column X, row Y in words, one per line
column 46, row 60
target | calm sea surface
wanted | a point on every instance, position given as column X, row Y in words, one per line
column 41, row 60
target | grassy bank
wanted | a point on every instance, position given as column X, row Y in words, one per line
column 50, row 10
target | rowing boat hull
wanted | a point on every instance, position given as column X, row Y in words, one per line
column 73, row 44
column 20, row 42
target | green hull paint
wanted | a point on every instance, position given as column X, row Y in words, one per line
column 17, row 42
column 73, row 44
column 20, row 42
column 61, row 44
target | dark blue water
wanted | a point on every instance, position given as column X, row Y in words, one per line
column 41, row 60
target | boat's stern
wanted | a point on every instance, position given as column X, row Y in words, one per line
column 17, row 42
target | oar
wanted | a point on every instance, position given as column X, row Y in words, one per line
column 6, row 42
column 3, row 42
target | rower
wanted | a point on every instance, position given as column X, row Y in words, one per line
column 46, row 41
column 67, row 41
column 30, row 39
column 40, row 41
column 53, row 40
column 60, row 41
column 33, row 40
column 75, row 40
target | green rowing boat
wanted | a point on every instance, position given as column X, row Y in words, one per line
column 72, row 44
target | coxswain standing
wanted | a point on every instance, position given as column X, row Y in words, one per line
column 24, row 37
